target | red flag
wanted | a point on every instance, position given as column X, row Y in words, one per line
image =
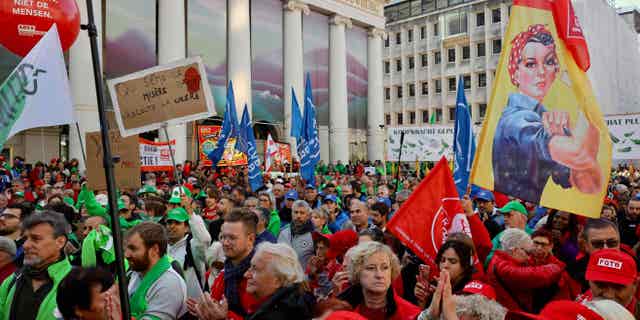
column 570, row 31
column 431, row 212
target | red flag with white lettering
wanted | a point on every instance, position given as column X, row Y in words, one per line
column 431, row 212
column 570, row 31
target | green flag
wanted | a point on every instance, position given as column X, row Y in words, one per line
column 432, row 120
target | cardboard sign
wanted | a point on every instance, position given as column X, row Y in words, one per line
column 170, row 94
column 156, row 156
column 127, row 170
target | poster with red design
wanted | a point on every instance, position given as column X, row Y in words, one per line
column 207, row 141
column 156, row 156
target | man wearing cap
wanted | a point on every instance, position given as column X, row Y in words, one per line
column 612, row 275
column 311, row 196
column 629, row 222
column 493, row 219
column 558, row 310
column 176, row 196
column 285, row 212
column 298, row 233
column 338, row 219
column 188, row 242
column 515, row 216
column 7, row 255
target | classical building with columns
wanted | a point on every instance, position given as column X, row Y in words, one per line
column 265, row 47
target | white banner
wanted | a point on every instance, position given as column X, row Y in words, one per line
column 625, row 135
column 421, row 143
column 155, row 156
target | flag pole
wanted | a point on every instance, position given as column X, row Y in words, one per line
column 84, row 155
column 399, row 164
column 107, row 162
column 173, row 159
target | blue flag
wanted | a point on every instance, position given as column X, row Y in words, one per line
column 309, row 146
column 247, row 145
column 464, row 144
column 296, row 117
column 229, row 129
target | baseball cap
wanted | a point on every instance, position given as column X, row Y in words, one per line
column 340, row 242
column 7, row 245
column 291, row 195
column 477, row 287
column 178, row 214
column 514, row 206
column 309, row 186
column 176, row 193
column 320, row 236
column 558, row 310
column 485, row 195
column 330, row 197
column 611, row 265
column 147, row 189
column 19, row 194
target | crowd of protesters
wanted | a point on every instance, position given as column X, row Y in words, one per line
column 199, row 244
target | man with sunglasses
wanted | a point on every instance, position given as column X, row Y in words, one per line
column 597, row 234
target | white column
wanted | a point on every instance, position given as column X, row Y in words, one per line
column 293, row 55
column 239, row 52
column 172, row 46
column 83, row 87
column 338, row 97
column 375, row 98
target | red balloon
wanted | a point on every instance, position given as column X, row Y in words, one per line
column 24, row 22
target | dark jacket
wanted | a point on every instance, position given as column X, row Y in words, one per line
column 286, row 303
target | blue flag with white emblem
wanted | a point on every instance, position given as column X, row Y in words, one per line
column 309, row 144
column 464, row 144
column 229, row 129
column 247, row 145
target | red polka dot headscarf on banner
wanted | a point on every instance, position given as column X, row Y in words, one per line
column 520, row 41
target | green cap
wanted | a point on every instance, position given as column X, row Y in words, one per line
column 514, row 206
column 178, row 214
column 19, row 194
column 121, row 205
column 147, row 189
column 69, row 201
column 175, row 195
column 201, row 195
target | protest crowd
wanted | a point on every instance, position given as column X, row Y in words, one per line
column 200, row 245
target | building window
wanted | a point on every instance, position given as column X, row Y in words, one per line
column 456, row 22
column 425, row 88
column 425, row 59
column 412, row 117
column 387, row 119
column 387, row 67
column 452, row 84
column 387, row 93
column 482, row 80
column 479, row 19
column 386, row 42
column 398, row 38
column 438, row 115
column 399, row 118
column 452, row 114
column 410, row 35
column 436, row 57
column 480, row 50
column 399, row 92
column 412, row 63
column 483, row 110
column 425, row 116
column 497, row 46
column 467, row 82
column 466, row 53
column 495, row 15
column 412, row 90
column 435, row 29
column 438, row 86
column 423, row 32
column 399, row 65
column 451, row 55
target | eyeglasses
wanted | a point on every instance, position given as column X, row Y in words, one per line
column 609, row 243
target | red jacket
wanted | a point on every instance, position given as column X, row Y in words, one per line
column 404, row 309
column 248, row 302
column 514, row 282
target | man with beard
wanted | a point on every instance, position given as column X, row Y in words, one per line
column 10, row 220
column 156, row 290
column 311, row 196
column 30, row 293
column 298, row 233
column 229, row 290
column 224, row 207
column 188, row 241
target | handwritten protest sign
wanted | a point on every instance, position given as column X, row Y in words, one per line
column 170, row 94
column 127, row 169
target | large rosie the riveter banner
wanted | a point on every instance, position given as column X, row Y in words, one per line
column 156, row 156
column 207, row 141
column 625, row 135
column 170, row 94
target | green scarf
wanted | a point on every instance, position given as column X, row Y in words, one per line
column 99, row 239
column 138, row 299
